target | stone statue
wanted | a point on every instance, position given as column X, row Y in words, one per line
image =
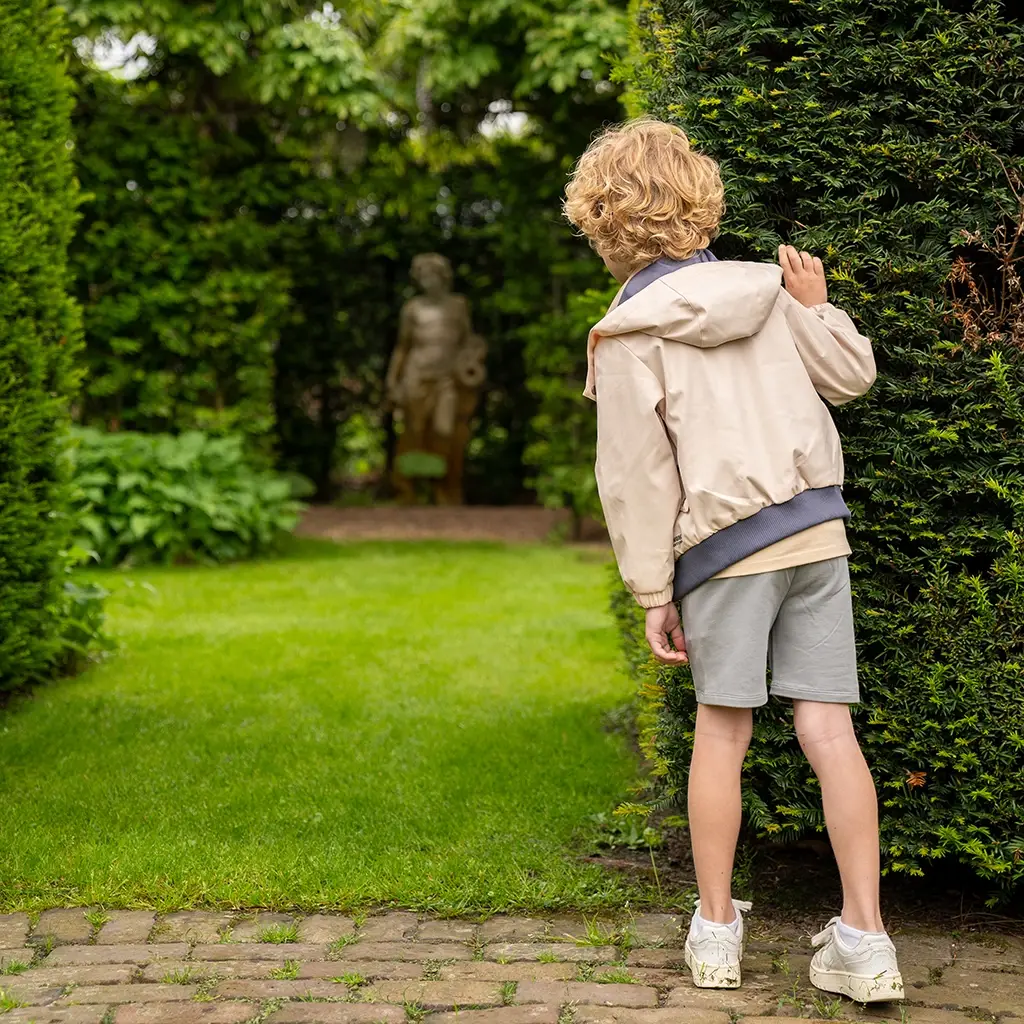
column 435, row 377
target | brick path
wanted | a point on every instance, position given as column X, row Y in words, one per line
column 133, row 967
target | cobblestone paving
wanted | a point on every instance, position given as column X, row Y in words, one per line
column 85, row 966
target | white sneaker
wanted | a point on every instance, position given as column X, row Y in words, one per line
column 867, row 973
column 714, row 951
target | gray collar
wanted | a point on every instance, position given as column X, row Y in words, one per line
column 659, row 268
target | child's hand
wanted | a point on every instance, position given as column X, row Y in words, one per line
column 663, row 625
column 804, row 276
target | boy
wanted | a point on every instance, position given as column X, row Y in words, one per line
column 720, row 473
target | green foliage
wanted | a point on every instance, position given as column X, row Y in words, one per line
column 876, row 134
column 445, row 177
column 194, row 172
column 630, row 832
column 252, row 216
column 158, row 498
column 438, row 51
column 279, row 933
column 39, row 332
column 257, row 50
column 423, row 465
column 83, row 635
column 564, row 426
column 491, row 210
column 183, row 301
column 182, row 310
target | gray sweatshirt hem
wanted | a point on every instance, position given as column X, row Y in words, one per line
column 759, row 531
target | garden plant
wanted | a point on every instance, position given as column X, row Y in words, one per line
column 140, row 498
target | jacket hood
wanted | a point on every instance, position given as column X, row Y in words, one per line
column 705, row 305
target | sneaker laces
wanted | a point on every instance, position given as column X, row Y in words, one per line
column 825, row 934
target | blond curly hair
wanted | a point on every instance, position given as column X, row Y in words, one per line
column 640, row 192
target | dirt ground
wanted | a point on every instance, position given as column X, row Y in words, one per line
column 516, row 524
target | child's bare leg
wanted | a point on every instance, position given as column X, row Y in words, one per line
column 848, row 793
column 722, row 736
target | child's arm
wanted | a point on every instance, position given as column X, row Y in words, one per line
column 637, row 475
column 838, row 358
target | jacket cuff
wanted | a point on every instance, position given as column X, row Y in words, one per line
column 655, row 600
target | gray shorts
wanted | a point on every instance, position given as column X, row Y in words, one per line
column 799, row 620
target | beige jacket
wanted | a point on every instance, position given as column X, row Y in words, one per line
column 713, row 442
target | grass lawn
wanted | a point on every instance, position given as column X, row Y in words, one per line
column 345, row 726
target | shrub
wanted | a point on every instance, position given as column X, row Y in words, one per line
column 183, row 306
column 82, row 637
column 39, row 332
column 876, row 134
column 156, row 498
column 564, row 429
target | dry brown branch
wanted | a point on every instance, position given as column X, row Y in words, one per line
column 987, row 295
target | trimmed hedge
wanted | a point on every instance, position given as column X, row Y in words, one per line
column 183, row 305
column 564, row 427
column 39, row 333
column 876, row 134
